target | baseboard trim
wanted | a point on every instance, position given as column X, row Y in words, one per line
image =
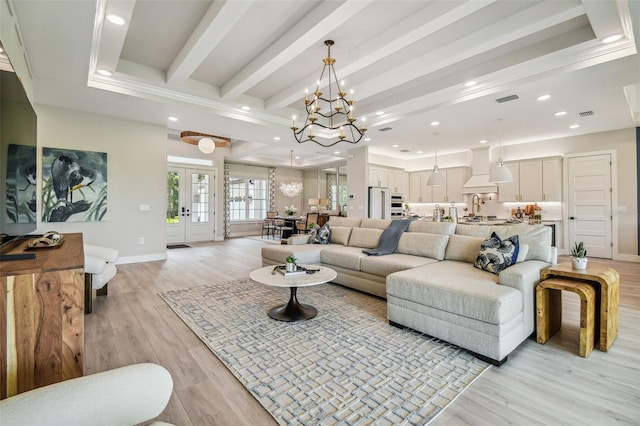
column 626, row 257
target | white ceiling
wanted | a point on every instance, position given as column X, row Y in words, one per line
column 201, row 61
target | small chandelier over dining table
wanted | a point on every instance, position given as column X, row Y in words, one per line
column 293, row 188
column 329, row 120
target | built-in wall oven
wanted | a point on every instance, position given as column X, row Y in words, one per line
column 396, row 205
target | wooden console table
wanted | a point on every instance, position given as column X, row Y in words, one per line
column 42, row 317
column 606, row 282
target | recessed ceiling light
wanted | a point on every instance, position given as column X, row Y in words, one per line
column 560, row 113
column 394, row 146
column 612, row 38
column 106, row 73
column 367, row 139
column 172, row 118
column 483, row 141
column 246, row 108
column 574, row 126
column 470, row 83
column 115, row 19
column 435, row 123
column 418, row 152
column 379, row 112
column 276, row 138
column 297, row 157
column 544, row 97
column 1, row 50
column 336, row 152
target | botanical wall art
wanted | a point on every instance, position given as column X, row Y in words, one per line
column 74, row 187
column 21, row 184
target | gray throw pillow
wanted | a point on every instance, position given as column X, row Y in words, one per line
column 321, row 235
column 496, row 255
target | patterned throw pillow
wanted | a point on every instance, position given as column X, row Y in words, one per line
column 321, row 235
column 496, row 255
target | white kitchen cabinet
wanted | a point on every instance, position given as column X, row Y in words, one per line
column 552, row 179
column 414, row 187
column 421, row 192
column 456, row 178
column 378, row 177
column 533, row 181
column 396, row 184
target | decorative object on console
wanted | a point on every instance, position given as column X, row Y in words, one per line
column 500, row 173
column 68, row 173
column 293, row 188
column 51, row 239
column 334, row 116
column 206, row 143
column 496, row 254
column 579, row 256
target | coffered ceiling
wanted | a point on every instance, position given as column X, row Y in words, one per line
column 407, row 61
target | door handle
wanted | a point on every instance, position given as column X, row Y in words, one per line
column 572, row 218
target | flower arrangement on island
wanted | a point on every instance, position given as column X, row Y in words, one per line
column 290, row 210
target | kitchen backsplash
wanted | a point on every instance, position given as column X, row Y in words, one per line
column 492, row 207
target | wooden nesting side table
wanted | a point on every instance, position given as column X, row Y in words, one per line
column 606, row 282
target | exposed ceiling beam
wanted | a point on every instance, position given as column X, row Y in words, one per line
column 221, row 17
column 410, row 30
column 323, row 19
column 108, row 39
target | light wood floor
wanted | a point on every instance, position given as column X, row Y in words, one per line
column 539, row 385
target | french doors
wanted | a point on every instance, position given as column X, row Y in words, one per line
column 190, row 205
column 589, row 206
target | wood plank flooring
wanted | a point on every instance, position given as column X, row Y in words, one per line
column 540, row 384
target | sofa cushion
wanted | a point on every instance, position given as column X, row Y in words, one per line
column 365, row 237
column 345, row 257
column 345, row 221
column 497, row 254
column 459, row 288
column 538, row 237
column 304, row 253
column 390, row 263
column 463, row 248
column 422, row 244
column 375, row 223
column 446, row 228
column 321, row 235
column 340, row 235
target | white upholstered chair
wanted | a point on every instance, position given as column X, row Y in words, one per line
column 124, row 396
column 99, row 268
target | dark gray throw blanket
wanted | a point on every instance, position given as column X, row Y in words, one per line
column 389, row 238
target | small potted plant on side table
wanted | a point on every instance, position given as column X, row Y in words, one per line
column 291, row 264
column 579, row 256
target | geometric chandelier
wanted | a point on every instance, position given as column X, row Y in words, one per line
column 291, row 189
column 329, row 120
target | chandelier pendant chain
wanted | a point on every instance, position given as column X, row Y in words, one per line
column 331, row 115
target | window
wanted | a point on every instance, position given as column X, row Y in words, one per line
column 247, row 199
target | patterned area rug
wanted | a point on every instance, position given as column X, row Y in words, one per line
column 346, row 366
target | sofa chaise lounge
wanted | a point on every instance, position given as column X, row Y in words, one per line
column 430, row 282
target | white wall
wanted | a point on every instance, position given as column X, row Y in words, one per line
column 357, row 179
column 136, row 169
column 284, row 174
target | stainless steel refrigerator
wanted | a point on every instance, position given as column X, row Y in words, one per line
column 379, row 203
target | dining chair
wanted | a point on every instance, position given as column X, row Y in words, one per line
column 281, row 226
column 269, row 226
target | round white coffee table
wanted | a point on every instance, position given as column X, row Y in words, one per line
column 292, row 311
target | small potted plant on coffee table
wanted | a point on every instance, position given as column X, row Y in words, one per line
column 579, row 256
column 291, row 264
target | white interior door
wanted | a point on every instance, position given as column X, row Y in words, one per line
column 589, row 204
column 190, row 205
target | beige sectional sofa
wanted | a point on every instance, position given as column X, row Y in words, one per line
column 430, row 282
